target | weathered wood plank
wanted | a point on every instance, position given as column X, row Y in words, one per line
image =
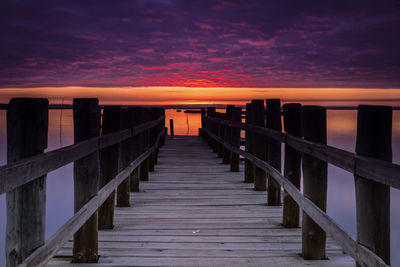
column 336, row 259
column 201, row 221
column 350, row 246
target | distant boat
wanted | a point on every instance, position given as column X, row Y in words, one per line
column 179, row 110
column 192, row 111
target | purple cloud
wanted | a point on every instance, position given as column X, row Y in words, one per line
column 200, row 43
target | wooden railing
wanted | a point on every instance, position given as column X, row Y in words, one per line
column 372, row 168
column 134, row 133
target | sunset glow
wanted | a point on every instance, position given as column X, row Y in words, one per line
column 154, row 51
column 206, row 95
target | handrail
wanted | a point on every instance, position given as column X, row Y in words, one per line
column 359, row 252
column 21, row 172
column 42, row 255
column 380, row 171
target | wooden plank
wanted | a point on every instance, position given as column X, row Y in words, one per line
column 350, row 246
column 265, row 246
column 186, row 219
column 336, row 259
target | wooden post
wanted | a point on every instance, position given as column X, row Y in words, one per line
column 162, row 126
column 258, row 144
column 374, row 139
column 206, row 125
column 153, row 133
column 144, row 166
column 248, row 165
column 203, row 122
column 135, row 148
column 210, row 125
column 171, row 126
column 215, row 127
column 108, row 165
column 220, row 132
column 235, row 138
column 227, row 135
column 158, row 130
column 86, row 178
column 123, row 190
column 214, row 130
column 315, row 173
column 27, row 124
column 274, row 121
column 292, row 168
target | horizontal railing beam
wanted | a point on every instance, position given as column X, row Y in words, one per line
column 16, row 174
column 373, row 169
column 42, row 255
column 360, row 253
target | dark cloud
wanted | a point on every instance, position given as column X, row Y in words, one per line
column 284, row 43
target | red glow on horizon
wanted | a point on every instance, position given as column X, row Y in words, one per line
column 207, row 95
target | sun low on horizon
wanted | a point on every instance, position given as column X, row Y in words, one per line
column 201, row 52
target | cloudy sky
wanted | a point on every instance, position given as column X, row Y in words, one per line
column 259, row 44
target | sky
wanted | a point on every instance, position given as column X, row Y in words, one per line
column 120, row 46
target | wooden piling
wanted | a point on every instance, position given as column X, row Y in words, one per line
column 203, row 123
column 210, row 125
column 274, row 122
column 171, row 126
column 135, row 148
column 86, row 114
column 108, row 165
column 226, row 154
column 220, row 132
column 236, row 117
column 144, row 166
column 153, row 137
column 163, row 125
column 292, row 164
column 215, row 129
column 248, row 165
column 27, row 124
column 158, row 130
column 315, row 173
column 259, row 144
column 374, row 139
column 123, row 190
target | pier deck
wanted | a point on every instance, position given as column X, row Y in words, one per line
column 194, row 212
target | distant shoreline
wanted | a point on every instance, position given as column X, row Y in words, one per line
column 192, row 107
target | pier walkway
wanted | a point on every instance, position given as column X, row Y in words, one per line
column 144, row 199
column 194, row 212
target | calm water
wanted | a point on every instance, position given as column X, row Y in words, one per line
column 341, row 200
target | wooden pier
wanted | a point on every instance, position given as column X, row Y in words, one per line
column 194, row 212
column 142, row 199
